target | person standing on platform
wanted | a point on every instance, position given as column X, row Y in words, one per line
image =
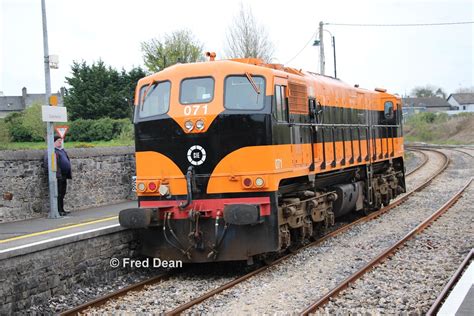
column 63, row 172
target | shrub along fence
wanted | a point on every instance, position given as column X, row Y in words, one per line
column 94, row 130
column 27, row 126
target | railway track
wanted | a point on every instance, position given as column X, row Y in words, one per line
column 116, row 295
column 461, row 149
column 424, row 161
column 384, row 255
column 463, row 152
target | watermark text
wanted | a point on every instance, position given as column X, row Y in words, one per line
column 145, row 263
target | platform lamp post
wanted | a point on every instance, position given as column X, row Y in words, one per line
column 53, row 188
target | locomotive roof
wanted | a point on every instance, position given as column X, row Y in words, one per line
column 253, row 66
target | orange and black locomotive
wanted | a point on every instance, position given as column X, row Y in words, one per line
column 238, row 158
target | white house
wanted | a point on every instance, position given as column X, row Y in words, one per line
column 462, row 101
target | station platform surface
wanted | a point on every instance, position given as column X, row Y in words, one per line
column 460, row 301
column 21, row 237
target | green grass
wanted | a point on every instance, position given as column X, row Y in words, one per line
column 440, row 128
column 42, row 145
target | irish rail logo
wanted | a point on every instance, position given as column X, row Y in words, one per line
column 196, row 155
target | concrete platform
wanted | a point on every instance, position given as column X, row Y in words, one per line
column 460, row 301
column 22, row 237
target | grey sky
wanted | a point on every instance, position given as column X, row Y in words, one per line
column 396, row 58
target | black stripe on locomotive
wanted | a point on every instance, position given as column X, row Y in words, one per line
column 234, row 129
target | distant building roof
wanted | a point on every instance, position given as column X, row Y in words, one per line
column 463, row 98
column 431, row 102
column 11, row 104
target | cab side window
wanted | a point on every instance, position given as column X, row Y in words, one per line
column 280, row 108
column 389, row 113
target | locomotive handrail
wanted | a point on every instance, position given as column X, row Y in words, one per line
column 189, row 196
column 334, row 125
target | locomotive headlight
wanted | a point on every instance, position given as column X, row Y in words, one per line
column 141, row 187
column 259, row 182
column 200, row 124
column 164, row 189
column 189, row 125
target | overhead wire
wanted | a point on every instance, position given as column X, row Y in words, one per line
column 301, row 50
column 376, row 25
column 396, row 25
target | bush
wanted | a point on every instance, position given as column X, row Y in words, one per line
column 428, row 118
column 127, row 132
column 26, row 126
column 33, row 122
column 97, row 130
column 18, row 132
column 422, row 118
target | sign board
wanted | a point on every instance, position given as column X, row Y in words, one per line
column 54, row 113
column 53, row 61
column 61, row 130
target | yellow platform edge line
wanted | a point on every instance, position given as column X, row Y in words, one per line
column 44, row 232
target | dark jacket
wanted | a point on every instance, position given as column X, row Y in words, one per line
column 63, row 164
column 59, row 173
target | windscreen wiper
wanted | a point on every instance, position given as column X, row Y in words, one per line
column 252, row 82
column 146, row 92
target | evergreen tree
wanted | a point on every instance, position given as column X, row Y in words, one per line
column 98, row 91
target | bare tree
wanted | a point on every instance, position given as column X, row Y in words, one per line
column 428, row 91
column 245, row 38
column 465, row 90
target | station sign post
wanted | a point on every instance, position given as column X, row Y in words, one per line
column 52, row 113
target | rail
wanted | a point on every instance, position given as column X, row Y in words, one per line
column 384, row 255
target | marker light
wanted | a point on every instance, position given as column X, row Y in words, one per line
column 247, row 182
column 189, row 125
column 200, row 124
column 152, row 186
column 259, row 182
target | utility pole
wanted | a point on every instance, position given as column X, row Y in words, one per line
column 53, row 189
column 321, row 48
column 334, row 50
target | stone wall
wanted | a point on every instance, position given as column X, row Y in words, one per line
column 100, row 176
column 33, row 278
